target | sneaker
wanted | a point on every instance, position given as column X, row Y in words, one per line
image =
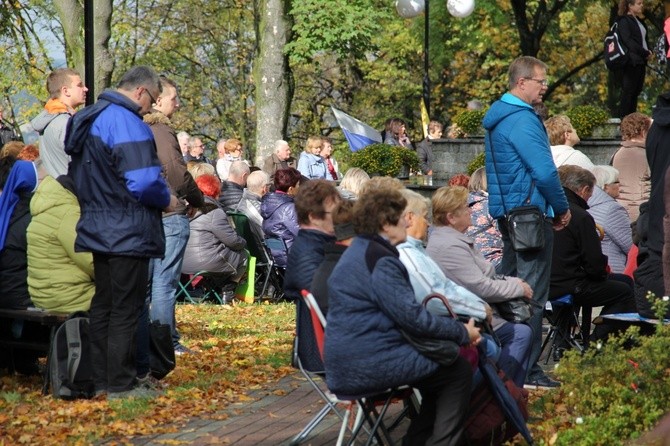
column 136, row 392
column 183, row 350
column 227, row 297
column 541, row 382
column 149, row 382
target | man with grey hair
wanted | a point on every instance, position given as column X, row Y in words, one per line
column 520, row 171
column 122, row 192
column 233, row 187
column 183, row 138
column 280, row 159
column 258, row 184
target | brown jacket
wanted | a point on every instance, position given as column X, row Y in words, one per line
column 178, row 178
column 272, row 164
column 634, row 176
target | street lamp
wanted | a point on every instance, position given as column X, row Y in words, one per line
column 409, row 9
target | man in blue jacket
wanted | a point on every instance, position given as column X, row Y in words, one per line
column 121, row 191
column 521, row 171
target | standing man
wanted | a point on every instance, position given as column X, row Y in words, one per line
column 66, row 92
column 183, row 138
column 521, row 171
column 424, row 149
column 280, row 159
column 121, row 191
column 7, row 133
column 196, row 151
column 164, row 273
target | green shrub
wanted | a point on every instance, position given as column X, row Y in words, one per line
column 384, row 159
column 585, row 118
column 470, row 121
column 478, row 161
column 612, row 393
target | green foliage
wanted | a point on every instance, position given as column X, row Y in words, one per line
column 613, row 392
column 585, row 118
column 470, row 121
column 478, row 161
column 384, row 159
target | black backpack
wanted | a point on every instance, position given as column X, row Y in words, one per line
column 616, row 55
column 70, row 360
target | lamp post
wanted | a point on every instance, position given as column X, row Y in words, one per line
column 409, row 9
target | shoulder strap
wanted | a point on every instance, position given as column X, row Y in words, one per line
column 73, row 337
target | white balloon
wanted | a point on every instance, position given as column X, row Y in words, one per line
column 460, row 8
column 409, row 9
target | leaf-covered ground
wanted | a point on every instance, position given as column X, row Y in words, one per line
column 239, row 349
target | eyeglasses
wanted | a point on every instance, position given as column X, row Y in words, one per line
column 153, row 100
column 542, row 82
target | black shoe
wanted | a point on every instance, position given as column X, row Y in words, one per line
column 541, row 382
column 558, row 354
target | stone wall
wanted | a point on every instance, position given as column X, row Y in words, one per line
column 452, row 156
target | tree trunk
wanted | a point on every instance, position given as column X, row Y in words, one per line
column 272, row 75
column 71, row 16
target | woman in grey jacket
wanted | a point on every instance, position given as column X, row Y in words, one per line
column 213, row 245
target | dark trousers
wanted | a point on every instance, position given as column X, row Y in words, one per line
column 445, row 398
column 613, row 295
column 631, row 79
column 120, row 290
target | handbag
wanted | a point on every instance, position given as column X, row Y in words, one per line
column 526, row 228
column 161, row 350
column 517, row 310
column 525, row 224
column 442, row 351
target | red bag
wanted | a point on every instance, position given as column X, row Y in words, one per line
column 486, row 423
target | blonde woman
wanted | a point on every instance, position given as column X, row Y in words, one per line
column 352, row 183
column 311, row 164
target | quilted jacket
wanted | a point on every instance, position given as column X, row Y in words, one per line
column 371, row 298
column 614, row 219
column 522, row 156
column 280, row 221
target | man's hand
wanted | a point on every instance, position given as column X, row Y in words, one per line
column 561, row 221
column 473, row 332
column 174, row 202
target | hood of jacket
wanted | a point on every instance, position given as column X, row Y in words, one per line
column 50, row 194
column 661, row 114
column 41, row 121
column 507, row 105
column 273, row 201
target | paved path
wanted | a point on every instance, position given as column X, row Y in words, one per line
column 273, row 417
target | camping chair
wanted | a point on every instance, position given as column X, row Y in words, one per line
column 564, row 327
column 265, row 271
column 199, row 279
column 367, row 403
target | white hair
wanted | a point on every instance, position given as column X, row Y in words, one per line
column 605, row 175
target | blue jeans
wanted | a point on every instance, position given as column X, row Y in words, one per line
column 516, row 340
column 534, row 268
column 164, row 273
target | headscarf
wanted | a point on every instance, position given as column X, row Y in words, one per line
column 22, row 178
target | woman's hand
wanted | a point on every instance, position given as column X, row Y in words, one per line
column 489, row 313
column 473, row 332
column 527, row 290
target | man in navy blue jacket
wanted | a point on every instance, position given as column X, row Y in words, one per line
column 521, row 171
column 121, row 191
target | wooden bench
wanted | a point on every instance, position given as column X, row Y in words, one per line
column 45, row 318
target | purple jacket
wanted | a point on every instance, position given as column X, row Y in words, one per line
column 279, row 221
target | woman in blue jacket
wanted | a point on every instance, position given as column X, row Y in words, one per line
column 371, row 300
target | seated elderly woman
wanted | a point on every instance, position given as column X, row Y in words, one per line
column 578, row 265
column 461, row 262
column 278, row 211
column 314, row 205
column 213, row 245
column 352, row 183
column 612, row 217
column 484, row 228
column 371, row 301
column 311, row 164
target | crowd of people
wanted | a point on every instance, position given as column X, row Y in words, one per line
column 118, row 206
